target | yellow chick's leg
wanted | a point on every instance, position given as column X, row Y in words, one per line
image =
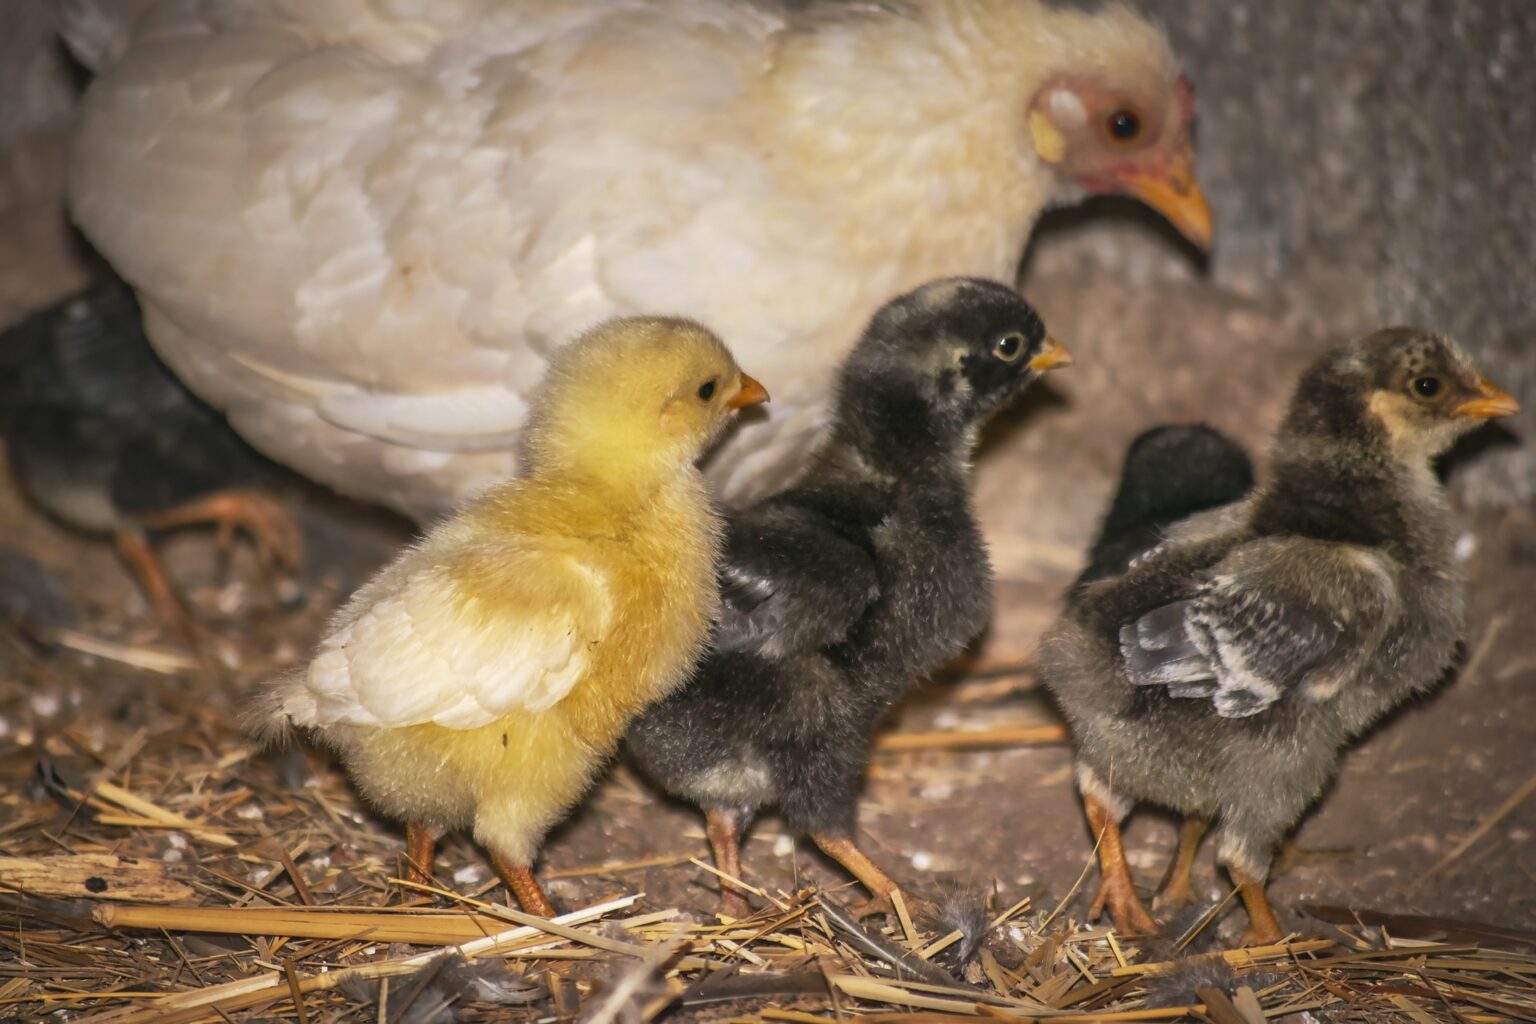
column 519, row 878
column 1176, row 891
column 1116, row 891
column 1263, row 928
column 420, row 850
column 723, row 826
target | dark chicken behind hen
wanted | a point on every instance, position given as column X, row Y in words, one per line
column 104, row 438
column 1221, row 674
column 846, row 588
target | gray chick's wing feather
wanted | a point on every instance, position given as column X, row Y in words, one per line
column 1274, row 616
column 789, row 582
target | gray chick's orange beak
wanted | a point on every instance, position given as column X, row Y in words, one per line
column 751, row 393
column 1052, row 356
column 1491, row 403
column 1176, row 195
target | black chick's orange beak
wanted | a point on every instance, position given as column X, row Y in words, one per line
column 1176, row 195
column 1491, row 403
column 1052, row 356
column 751, row 393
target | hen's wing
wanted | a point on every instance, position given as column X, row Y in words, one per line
column 416, row 647
column 1274, row 616
column 790, row 582
column 361, row 230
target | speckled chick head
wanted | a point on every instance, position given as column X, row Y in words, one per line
column 1418, row 388
column 636, row 394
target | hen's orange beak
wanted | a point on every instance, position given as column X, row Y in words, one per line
column 751, row 393
column 1491, row 403
column 1052, row 354
column 1176, row 195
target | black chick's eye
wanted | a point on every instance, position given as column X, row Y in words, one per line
column 1426, row 387
column 707, row 390
column 1009, row 347
column 1123, row 126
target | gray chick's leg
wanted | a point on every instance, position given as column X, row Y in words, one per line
column 1117, row 893
column 1245, row 851
column 1176, row 891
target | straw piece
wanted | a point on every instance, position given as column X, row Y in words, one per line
column 93, row 876
column 965, row 739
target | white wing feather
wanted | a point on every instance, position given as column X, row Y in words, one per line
column 420, row 650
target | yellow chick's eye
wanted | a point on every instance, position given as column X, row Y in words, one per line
column 707, row 390
column 1009, row 347
column 1425, row 387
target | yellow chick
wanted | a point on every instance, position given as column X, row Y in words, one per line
column 481, row 679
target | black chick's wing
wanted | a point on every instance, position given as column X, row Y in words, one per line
column 1273, row 617
column 791, row 581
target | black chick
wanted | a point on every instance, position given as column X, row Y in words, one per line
column 844, row 589
column 105, row 439
column 1222, row 673
column 1170, row 472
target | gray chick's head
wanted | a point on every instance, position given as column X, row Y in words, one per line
column 942, row 358
column 1418, row 389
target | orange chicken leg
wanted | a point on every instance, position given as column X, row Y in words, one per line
column 519, row 878
column 1263, row 928
column 1176, row 891
column 724, row 829
column 1116, row 891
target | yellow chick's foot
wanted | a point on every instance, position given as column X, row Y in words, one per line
column 519, row 878
column 420, row 850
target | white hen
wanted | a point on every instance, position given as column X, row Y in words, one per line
column 359, row 226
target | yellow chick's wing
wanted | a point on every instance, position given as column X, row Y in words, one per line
column 419, row 646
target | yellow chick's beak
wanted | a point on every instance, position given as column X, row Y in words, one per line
column 1177, row 196
column 751, row 393
column 1052, row 355
column 1491, row 403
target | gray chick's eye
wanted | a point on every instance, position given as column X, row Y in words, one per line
column 1009, row 347
column 707, row 390
column 1426, row 387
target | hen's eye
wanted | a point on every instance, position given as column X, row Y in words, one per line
column 1426, row 387
column 1123, row 125
column 707, row 390
column 1009, row 347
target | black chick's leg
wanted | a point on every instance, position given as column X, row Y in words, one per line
column 1176, row 891
column 278, row 542
column 519, row 878
column 847, row 853
column 1117, row 893
column 420, row 851
column 724, row 827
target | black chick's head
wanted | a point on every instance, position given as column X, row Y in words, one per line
column 1416, row 389
column 936, row 362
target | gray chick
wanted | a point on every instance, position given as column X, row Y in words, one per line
column 1222, row 673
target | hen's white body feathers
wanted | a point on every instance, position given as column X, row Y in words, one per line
column 359, row 227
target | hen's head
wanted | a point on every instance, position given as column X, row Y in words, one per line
column 1114, row 116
